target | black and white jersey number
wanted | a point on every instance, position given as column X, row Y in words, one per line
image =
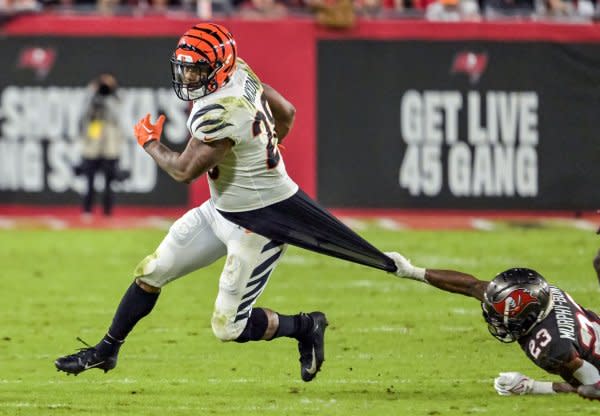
column 589, row 334
column 537, row 343
column 265, row 118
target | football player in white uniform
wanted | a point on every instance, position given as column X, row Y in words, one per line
column 254, row 211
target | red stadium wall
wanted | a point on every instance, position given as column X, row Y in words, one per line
column 284, row 54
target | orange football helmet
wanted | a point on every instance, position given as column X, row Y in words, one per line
column 203, row 61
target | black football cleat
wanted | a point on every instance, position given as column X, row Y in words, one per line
column 85, row 359
column 312, row 347
column 589, row 391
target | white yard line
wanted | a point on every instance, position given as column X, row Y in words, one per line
column 390, row 224
column 7, row 223
column 483, row 225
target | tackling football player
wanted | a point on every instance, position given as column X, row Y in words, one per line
column 555, row 332
column 254, row 211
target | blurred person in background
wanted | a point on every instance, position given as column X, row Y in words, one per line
column 335, row 14
column 381, row 8
column 369, row 8
column 420, row 5
column 160, row 6
column 102, row 141
column 262, row 9
column 452, row 10
column 104, row 7
column 555, row 332
column 395, row 6
column 12, row 7
column 499, row 9
column 107, row 7
column 165, row 7
column 566, row 9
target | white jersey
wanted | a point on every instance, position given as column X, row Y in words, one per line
column 252, row 175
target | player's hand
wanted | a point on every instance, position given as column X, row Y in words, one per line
column 589, row 391
column 405, row 268
column 513, row 383
column 145, row 131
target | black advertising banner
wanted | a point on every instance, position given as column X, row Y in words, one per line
column 458, row 125
column 42, row 88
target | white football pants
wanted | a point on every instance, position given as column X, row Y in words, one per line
column 200, row 237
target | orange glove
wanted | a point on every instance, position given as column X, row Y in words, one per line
column 145, row 131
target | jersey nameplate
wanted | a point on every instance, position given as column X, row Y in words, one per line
column 251, row 87
column 564, row 315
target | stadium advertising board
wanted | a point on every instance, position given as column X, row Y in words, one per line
column 42, row 91
column 458, row 125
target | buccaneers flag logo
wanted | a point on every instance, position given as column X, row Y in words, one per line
column 470, row 63
column 514, row 303
column 40, row 60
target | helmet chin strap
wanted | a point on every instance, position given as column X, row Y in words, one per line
column 198, row 93
column 211, row 79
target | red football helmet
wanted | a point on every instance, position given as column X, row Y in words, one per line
column 203, row 61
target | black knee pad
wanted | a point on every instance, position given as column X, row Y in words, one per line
column 255, row 326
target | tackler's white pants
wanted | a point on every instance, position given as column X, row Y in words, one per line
column 200, row 237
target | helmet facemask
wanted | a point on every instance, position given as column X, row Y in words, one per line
column 194, row 80
column 508, row 329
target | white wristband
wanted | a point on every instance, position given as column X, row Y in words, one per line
column 542, row 387
column 405, row 269
column 417, row 273
column 587, row 373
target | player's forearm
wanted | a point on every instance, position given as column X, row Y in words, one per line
column 284, row 116
column 456, row 282
column 171, row 162
column 447, row 280
column 284, row 113
column 561, row 387
column 283, row 126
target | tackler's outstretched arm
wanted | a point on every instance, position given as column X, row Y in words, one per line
column 447, row 280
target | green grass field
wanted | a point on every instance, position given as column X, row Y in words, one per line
column 394, row 347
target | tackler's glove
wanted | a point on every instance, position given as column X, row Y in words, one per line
column 589, row 391
column 145, row 131
column 513, row 383
column 405, row 269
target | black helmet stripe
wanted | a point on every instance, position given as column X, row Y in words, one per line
column 215, row 35
column 219, row 29
column 207, row 42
